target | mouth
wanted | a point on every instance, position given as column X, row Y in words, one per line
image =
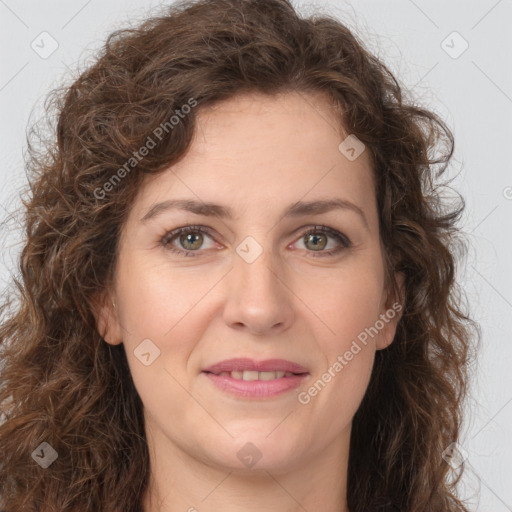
column 253, row 375
column 256, row 379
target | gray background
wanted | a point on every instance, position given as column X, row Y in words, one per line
column 472, row 92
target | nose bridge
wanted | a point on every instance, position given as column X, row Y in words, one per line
column 258, row 298
column 259, row 272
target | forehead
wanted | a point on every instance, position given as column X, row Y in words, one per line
column 254, row 151
column 261, row 123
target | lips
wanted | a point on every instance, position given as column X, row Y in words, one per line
column 250, row 375
column 249, row 369
column 249, row 379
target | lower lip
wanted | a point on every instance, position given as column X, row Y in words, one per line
column 256, row 388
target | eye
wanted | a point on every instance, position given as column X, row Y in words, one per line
column 191, row 240
column 317, row 239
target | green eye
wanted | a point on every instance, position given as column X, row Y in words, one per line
column 318, row 238
column 194, row 239
column 190, row 240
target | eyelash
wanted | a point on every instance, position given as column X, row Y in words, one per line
column 340, row 237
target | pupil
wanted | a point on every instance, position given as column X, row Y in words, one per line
column 189, row 238
column 315, row 239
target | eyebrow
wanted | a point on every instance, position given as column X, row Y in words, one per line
column 300, row 208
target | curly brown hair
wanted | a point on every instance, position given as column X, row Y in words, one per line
column 62, row 384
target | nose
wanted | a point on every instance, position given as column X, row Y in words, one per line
column 258, row 298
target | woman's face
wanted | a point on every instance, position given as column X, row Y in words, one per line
column 253, row 285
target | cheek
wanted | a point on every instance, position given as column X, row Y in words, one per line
column 348, row 307
column 349, row 310
column 161, row 322
column 156, row 298
column 348, row 304
column 160, row 370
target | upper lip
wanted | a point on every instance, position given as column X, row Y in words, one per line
column 269, row 365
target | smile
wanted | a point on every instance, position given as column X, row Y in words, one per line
column 253, row 375
column 249, row 378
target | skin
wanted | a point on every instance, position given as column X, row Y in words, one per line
column 256, row 155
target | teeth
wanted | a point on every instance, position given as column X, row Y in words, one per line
column 249, row 375
column 270, row 375
column 252, row 375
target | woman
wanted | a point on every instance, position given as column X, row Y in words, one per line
column 238, row 281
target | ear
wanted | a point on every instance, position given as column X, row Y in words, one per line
column 107, row 321
column 393, row 307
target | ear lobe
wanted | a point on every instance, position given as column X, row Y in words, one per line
column 391, row 314
column 107, row 322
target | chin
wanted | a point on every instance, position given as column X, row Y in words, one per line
column 256, row 453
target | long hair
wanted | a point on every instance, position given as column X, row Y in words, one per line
column 62, row 384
